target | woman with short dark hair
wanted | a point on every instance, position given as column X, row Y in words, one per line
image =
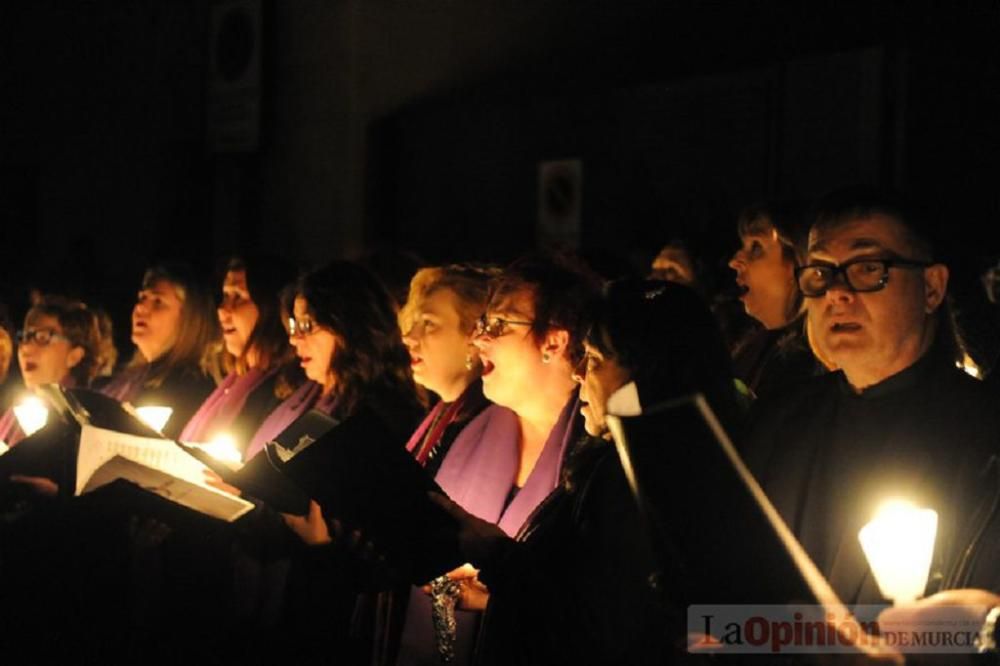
column 574, row 586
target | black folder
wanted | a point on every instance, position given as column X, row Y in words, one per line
column 715, row 543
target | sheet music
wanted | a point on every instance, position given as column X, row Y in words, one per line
column 156, row 465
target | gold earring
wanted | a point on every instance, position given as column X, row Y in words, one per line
column 469, row 361
column 546, row 357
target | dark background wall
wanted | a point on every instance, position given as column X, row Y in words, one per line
column 422, row 124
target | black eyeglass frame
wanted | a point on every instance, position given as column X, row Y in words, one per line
column 497, row 327
column 841, row 270
column 36, row 335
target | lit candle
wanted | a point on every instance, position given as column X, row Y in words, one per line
column 223, row 447
column 899, row 545
column 155, row 417
column 32, row 415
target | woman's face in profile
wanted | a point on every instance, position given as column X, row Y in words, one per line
column 438, row 346
column 45, row 355
column 766, row 278
column 237, row 312
column 314, row 344
column 156, row 319
column 599, row 378
column 512, row 358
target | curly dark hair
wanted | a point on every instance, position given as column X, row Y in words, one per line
column 370, row 357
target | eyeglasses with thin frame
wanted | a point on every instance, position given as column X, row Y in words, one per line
column 858, row 275
column 300, row 328
column 496, row 326
column 39, row 336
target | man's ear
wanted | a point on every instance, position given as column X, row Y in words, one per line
column 935, row 286
column 556, row 342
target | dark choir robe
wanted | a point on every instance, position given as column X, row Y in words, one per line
column 827, row 456
column 429, row 444
column 767, row 362
column 574, row 587
column 183, row 389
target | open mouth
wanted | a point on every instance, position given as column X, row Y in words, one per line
column 845, row 327
column 229, row 331
column 304, row 361
column 415, row 361
column 487, row 367
column 30, row 366
column 742, row 290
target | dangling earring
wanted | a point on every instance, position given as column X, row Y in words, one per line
column 545, row 357
column 470, row 361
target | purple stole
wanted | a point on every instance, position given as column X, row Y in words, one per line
column 307, row 397
column 222, row 407
column 127, row 383
column 10, row 429
column 478, row 474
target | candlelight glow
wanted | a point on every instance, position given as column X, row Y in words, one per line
column 223, row 447
column 155, row 417
column 32, row 415
column 899, row 545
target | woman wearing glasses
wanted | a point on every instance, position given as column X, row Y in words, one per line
column 259, row 360
column 59, row 345
column 343, row 330
column 508, row 459
column 174, row 331
column 574, row 586
column 771, row 357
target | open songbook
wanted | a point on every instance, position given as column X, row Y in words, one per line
column 156, row 465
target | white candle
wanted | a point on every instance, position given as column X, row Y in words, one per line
column 899, row 545
column 155, row 417
column 32, row 415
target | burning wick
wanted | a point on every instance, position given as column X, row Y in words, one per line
column 899, row 546
column 155, row 417
column 32, row 415
column 223, row 447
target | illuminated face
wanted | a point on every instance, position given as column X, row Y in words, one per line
column 766, row 278
column 49, row 363
column 156, row 319
column 315, row 345
column 512, row 361
column 873, row 335
column 237, row 312
column 438, row 346
column 599, row 378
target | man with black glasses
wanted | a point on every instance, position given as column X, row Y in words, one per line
column 898, row 420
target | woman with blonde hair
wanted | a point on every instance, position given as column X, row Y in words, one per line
column 173, row 328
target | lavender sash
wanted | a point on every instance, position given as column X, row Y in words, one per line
column 127, row 383
column 307, row 397
column 10, row 429
column 222, row 407
column 478, row 473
